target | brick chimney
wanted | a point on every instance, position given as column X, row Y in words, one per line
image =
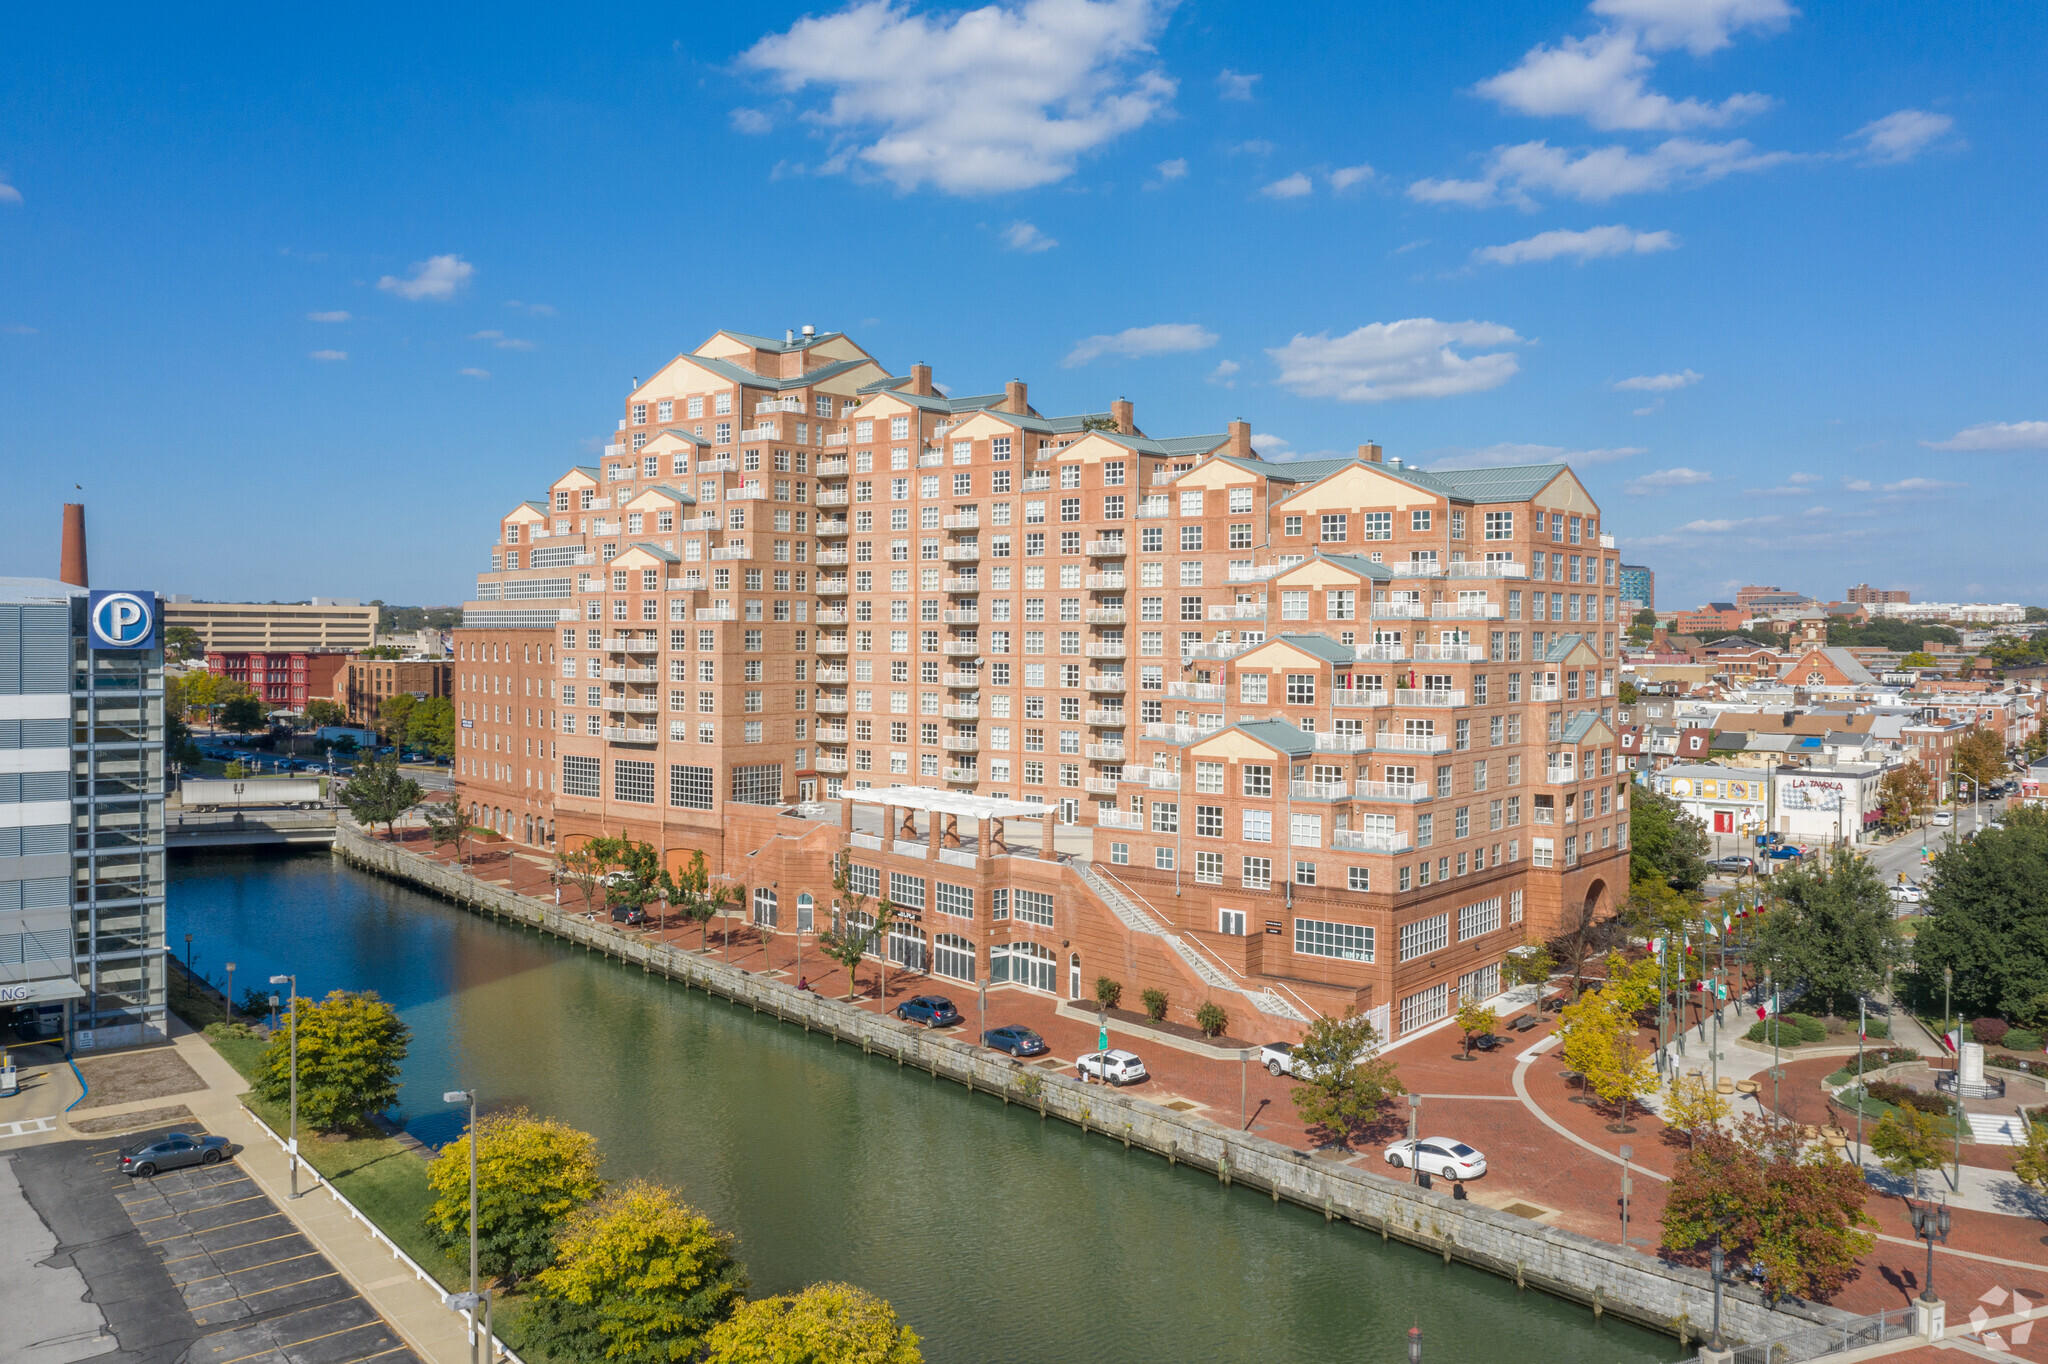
column 921, row 380
column 1125, row 415
column 1240, row 444
column 1369, row 453
column 71, row 562
column 1013, row 397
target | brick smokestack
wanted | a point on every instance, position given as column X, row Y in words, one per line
column 1240, row 446
column 1125, row 416
column 71, row 563
column 1369, row 453
column 1013, row 397
column 921, row 380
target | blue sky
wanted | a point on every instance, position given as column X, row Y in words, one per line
column 304, row 304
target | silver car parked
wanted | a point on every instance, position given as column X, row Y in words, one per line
column 171, row 1151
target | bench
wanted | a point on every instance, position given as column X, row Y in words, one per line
column 1524, row 1023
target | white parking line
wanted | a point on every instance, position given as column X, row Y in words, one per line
column 27, row 1127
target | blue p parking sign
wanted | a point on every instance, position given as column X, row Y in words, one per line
column 120, row 619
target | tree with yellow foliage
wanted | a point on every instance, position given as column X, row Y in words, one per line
column 1589, row 1025
column 827, row 1323
column 1620, row 1073
column 1631, row 985
column 1694, row 1106
column 531, row 1173
column 1474, row 1020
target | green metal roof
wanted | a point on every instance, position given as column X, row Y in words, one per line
column 1361, row 566
column 1276, row 734
column 680, row 434
column 1322, row 646
column 781, row 347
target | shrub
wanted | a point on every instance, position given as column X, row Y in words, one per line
column 1899, row 1096
column 1108, row 992
column 2022, row 1039
column 1155, row 1004
column 1211, row 1018
column 1810, row 1029
column 1789, row 1033
column 1990, row 1031
column 1877, row 1027
column 218, row 1030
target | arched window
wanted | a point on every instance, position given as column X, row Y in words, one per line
column 907, row 947
column 954, row 957
column 1026, row 964
column 1074, row 976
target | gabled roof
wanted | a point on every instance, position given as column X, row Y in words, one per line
column 680, row 434
column 1316, row 646
column 537, row 506
column 666, row 556
column 741, row 375
column 1558, row 647
column 1357, row 564
column 1170, row 447
column 1275, row 734
column 1515, row 483
column 1846, row 663
column 1582, row 724
column 677, row 493
column 781, row 347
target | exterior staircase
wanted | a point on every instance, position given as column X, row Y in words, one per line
column 1208, row 972
column 1993, row 1129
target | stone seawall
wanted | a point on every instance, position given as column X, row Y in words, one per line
column 1605, row 1278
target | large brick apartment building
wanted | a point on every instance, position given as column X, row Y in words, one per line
column 1314, row 736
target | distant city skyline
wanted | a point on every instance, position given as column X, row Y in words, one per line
column 1763, row 276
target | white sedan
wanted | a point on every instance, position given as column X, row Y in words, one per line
column 1909, row 894
column 1117, row 1066
column 1446, row 1156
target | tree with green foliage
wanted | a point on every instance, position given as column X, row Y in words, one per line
column 1903, row 792
column 1980, row 756
column 640, row 1277
column 827, row 1323
column 1987, row 919
column 531, row 1173
column 430, row 728
column 1627, row 694
column 1108, row 991
column 184, row 642
column 1772, row 1202
column 641, row 863
column 393, row 714
column 1919, row 658
column 1531, row 965
column 1344, row 1078
column 1831, row 929
column 1645, row 618
column 244, row 714
column 584, row 867
column 1665, row 843
column 378, row 793
column 1887, row 632
column 448, row 822
column 2030, row 1158
column 321, row 712
column 691, row 892
column 350, row 1046
column 1474, row 1020
column 846, row 942
column 1908, row 1141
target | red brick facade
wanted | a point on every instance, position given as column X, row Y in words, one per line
column 282, row 680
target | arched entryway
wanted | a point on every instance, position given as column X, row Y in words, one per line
column 1596, row 902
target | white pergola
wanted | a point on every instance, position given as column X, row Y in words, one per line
column 933, row 800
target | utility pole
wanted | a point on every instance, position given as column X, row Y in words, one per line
column 292, row 983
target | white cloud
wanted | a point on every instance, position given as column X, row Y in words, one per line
column 1901, row 136
column 752, row 122
column 17, row 329
column 1698, row 26
column 1514, row 175
column 1255, row 147
column 9, row 194
column 1604, row 80
column 1291, row 187
column 1647, row 411
column 1592, row 243
column 1027, row 238
column 1273, row 447
column 1802, row 479
column 1235, row 85
column 1658, row 383
column 1664, row 480
column 336, row 316
column 1173, row 170
column 1417, row 357
column 327, row 355
column 1344, row 177
column 436, row 278
column 978, row 102
column 1995, row 436
column 1512, row 453
column 531, row 309
column 1167, row 338
column 473, row 372
column 1919, row 485
column 502, row 341
column 1221, row 374
column 1856, row 485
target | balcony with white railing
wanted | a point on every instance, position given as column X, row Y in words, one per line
column 1399, row 610
column 1099, row 786
column 727, row 553
column 834, row 440
column 599, row 504
column 1120, row 819
column 1161, row 476
column 1172, row 733
column 1328, row 741
column 1392, row 790
column 1388, row 742
column 960, row 743
column 1036, row 483
column 1607, row 689
column 752, row 492
column 961, row 648
column 831, row 734
column 1380, row 653
column 1110, row 718
column 767, row 431
column 1606, row 540
column 632, row 674
column 827, row 525
column 831, row 615
column 1103, row 650
column 832, row 587
column 832, row 558
column 603, row 527
column 1106, row 682
column 704, row 613
column 1151, row 508
column 1356, row 697
column 1105, row 549
column 961, row 521
column 1540, row 692
column 1449, row 653
column 707, row 521
column 621, row 734
column 623, row 645
column 958, row 582
column 1417, row 568
column 961, row 710
column 832, row 644
column 966, row 617
column 833, row 468
column 1244, row 610
column 961, row 554
column 1466, row 610
column 1361, row 840
column 1195, row 691
column 1318, row 790
column 632, row 705
column 830, row 762
column 1216, row 651
column 961, row 774
column 1105, row 753
column 831, row 705
column 766, row 405
column 961, row 681
column 831, row 674
column 1105, row 582
column 1488, row 568
column 1255, row 573
column 1408, row 697
column 833, row 497
column 1157, row 778
column 1555, row 775
column 1113, row 615
column 724, row 464
column 689, row 582
column 932, row 458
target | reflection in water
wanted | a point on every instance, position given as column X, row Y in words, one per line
column 999, row 1236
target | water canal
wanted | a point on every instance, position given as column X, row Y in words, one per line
column 1000, row 1237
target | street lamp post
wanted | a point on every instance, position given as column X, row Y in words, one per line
column 231, row 992
column 1930, row 1223
column 1415, row 1138
column 468, row 1096
column 1715, row 1264
column 1948, row 980
column 291, row 982
column 1627, row 1152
